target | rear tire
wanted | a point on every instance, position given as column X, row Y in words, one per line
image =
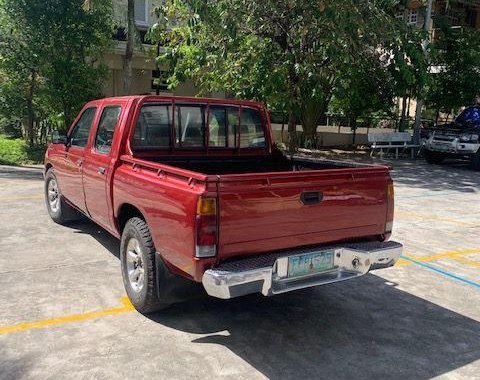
column 58, row 209
column 433, row 157
column 137, row 257
column 475, row 161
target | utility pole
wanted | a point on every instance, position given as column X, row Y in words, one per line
column 427, row 27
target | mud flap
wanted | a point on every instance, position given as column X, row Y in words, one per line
column 172, row 288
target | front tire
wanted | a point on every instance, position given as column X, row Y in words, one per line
column 137, row 257
column 434, row 158
column 58, row 209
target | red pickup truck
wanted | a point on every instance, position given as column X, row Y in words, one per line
column 198, row 193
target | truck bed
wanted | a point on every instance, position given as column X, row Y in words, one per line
column 251, row 165
column 263, row 208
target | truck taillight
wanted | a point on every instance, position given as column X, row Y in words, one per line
column 206, row 226
column 390, row 208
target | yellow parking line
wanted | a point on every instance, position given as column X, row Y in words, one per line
column 434, row 217
column 401, row 262
column 443, row 255
column 21, row 198
column 127, row 307
column 463, row 260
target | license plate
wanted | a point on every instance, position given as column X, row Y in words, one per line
column 310, row 263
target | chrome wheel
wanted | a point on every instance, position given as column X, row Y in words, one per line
column 135, row 270
column 53, row 195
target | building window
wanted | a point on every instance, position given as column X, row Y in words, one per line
column 400, row 14
column 141, row 12
column 412, row 17
column 159, row 80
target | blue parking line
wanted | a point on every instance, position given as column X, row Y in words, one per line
column 442, row 272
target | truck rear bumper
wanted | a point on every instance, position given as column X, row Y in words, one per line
column 268, row 274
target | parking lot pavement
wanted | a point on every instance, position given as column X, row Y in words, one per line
column 63, row 313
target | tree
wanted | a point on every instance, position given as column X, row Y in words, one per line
column 50, row 51
column 365, row 88
column 131, row 32
column 287, row 53
column 455, row 68
column 409, row 66
column 19, row 79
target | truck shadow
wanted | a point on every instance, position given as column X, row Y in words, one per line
column 362, row 329
column 365, row 328
column 21, row 172
column 453, row 175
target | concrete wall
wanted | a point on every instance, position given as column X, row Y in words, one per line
column 142, row 77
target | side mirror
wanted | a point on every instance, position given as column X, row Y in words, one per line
column 60, row 138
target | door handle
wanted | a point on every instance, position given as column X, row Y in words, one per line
column 101, row 170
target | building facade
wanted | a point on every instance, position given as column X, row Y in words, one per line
column 144, row 67
column 457, row 13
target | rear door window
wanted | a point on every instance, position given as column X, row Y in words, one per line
column 106, row 129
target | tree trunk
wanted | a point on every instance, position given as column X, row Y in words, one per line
column 30, row 110
column 310, row 135
column 131, row 32
column 404, row 112
column 312, row 109
column 418, row 121
column 292, row 132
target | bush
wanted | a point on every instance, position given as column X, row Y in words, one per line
column 17, row 152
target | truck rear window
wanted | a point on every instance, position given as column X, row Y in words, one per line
column 153, row 127
column 156, row 124
column 190, row 126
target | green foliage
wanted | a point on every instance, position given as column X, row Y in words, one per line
column 49, row 56
column 294, row 55
column 17, row 152
column 12, row 151
column 363, row 89
column 455, row 60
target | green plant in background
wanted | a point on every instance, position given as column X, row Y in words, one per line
column 49, row 58
column 290, row 54
column 12, row 151
column 455, row 68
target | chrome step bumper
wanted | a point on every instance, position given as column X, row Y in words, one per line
column 267, row 274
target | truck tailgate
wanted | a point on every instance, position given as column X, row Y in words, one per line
column 274, row 211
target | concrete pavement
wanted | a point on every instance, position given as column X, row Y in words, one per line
column 418, row 320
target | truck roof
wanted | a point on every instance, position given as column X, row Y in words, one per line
column 156, row 98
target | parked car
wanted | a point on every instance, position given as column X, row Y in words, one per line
column 459, row 139
column 198, row 193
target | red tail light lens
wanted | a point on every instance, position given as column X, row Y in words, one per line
column 206, row 226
